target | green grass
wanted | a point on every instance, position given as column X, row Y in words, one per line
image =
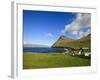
column 52, row 60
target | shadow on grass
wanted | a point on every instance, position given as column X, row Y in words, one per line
column 84, row 57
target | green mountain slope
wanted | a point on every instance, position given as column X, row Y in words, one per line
column 79, row 43
column 61, row 42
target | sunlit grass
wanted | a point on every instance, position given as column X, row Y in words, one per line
column 52, row 60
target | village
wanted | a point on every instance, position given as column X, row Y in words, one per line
column 81, row 51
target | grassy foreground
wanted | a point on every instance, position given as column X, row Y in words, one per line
column 52, row 60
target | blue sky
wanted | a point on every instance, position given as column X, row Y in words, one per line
column 43, row 27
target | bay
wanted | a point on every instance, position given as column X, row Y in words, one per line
column 42, row 50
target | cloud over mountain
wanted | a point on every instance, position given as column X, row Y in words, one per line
column 80, row 26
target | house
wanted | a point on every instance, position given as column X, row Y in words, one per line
column 81, row 51
column 86, row 51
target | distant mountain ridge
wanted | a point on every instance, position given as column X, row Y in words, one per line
column 79, row 43
column 35, row 45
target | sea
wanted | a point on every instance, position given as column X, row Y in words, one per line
column 42, row 50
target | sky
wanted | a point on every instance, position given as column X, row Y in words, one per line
column 45, row 27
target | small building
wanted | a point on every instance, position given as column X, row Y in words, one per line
column 86, row 51
column 81, row 51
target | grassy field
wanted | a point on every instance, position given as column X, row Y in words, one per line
column 53, row 60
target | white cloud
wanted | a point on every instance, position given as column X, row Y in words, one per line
column 83, row 34
column 82, row 21
column 49, row 34
column 74, row 32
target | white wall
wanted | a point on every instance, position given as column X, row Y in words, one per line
column 5, row 37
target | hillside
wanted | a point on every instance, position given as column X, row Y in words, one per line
column 61, row 42
column 79, row 43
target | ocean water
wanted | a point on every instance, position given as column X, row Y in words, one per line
column 42, row 50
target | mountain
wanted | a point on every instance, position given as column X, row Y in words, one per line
column 79, row 43
column 61, row 42
column 35, row 45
